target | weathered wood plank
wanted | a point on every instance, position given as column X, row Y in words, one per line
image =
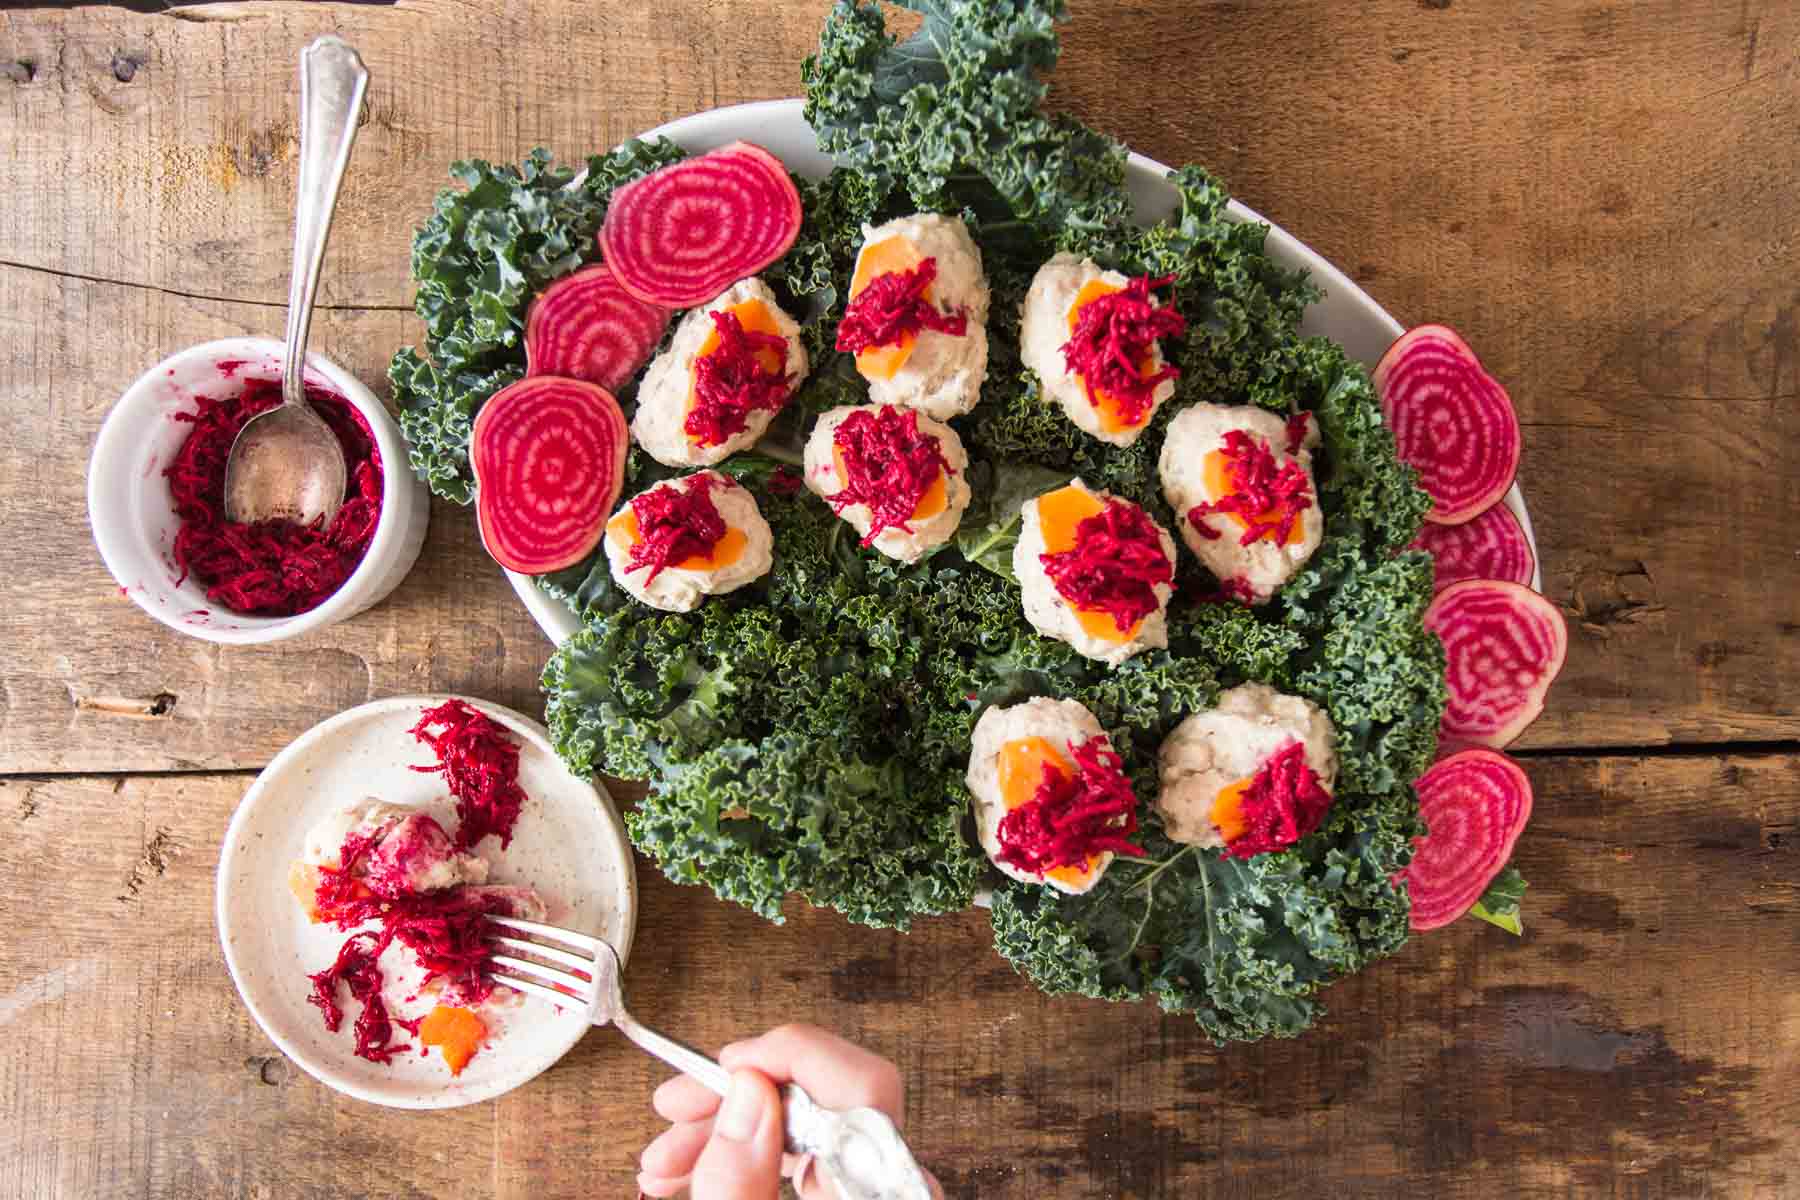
column 1594, row 196
column 1641, row 1040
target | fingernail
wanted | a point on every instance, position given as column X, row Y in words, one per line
column 741, row 1111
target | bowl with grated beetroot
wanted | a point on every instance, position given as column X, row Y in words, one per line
column 156, row 487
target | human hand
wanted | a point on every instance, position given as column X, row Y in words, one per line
column 731, row 1149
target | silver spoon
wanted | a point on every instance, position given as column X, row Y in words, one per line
column 287, row 462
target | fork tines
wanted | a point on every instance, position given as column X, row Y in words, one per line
column 571, row 989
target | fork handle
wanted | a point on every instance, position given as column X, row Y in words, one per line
column 851, row 1144
column 684, row 1059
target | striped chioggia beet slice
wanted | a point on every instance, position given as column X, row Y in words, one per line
column 585, row 326
column 1503, row 645
column 1474, row 805
column 1492, row 546
column 549, row 460
column 1452, row 422
column 682, row 234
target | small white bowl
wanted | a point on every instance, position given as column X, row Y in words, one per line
column 133, row 514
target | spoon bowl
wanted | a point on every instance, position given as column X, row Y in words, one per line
column 287, row 463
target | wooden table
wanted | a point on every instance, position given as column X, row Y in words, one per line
column 1601, row 196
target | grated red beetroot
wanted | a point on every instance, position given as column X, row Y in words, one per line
column 446, row 930
column 1073, row 816
column 888, row 463
column 892, row 308
column 1299, row 424
column 1115, row 566
column 1283, row 804
column 1235, row 590
column 1112, row 336
column 676, row 523
column 356, row 969
column 270, row 568
column 480, row 766
column 784, row 481
column 732, row 382
column 1267, row 498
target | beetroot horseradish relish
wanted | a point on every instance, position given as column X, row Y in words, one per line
column 1115, row 566
column 893, row 308
column 1110, row 344
column 480, row 766
column 675, row 524
column 273, row 568
column 885, row 461
column 731, row 381
column 1283, row 803
column 445, row 929
column 1073, row 816
column 1268, row 500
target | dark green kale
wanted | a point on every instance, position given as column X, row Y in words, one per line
column 958, row 99
column 1241, row 944
column 808, row 734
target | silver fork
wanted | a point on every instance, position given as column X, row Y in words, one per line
column 860, row 1148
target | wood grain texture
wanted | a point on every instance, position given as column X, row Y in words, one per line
column 1595, row 196
column 1599, row 195
column 1641, row 1040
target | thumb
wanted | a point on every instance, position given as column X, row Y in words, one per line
column 742, row 1159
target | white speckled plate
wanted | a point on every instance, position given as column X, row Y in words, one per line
column 1347, row 314
column 569, row 844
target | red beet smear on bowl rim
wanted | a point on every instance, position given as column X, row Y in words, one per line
column 276, row 568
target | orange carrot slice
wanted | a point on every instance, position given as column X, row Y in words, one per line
column 457, row 1032
column 884, row 258
column 1023, row 762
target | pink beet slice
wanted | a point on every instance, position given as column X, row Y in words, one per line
column 681, row 235
column 1474, row 805
column 1503, row 644
column 549, row 460
column 1452, row 422
column 585, row 326
column 1492, row 546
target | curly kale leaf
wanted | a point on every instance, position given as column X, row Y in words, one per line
column 961, row 97
column 760, row 820
column 808, row 733
column 1499, row 905
column 814, row 276
column 477, row 261
column 1241, row 306
column 437, row 417
column 1242, row 945
column 990, row 526
column 1378, row 672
